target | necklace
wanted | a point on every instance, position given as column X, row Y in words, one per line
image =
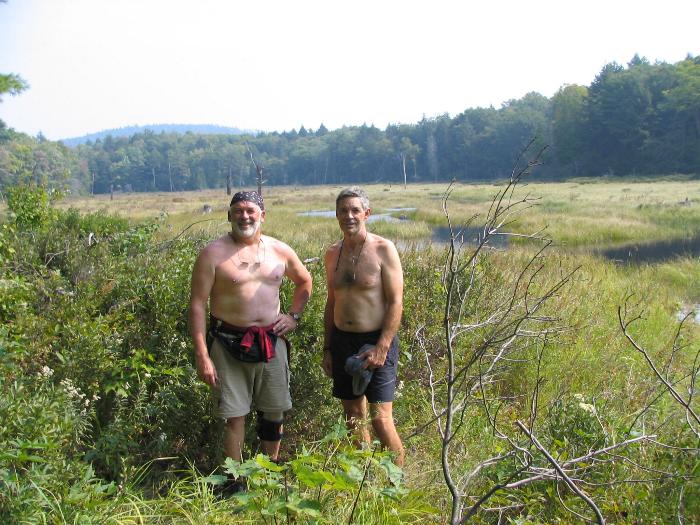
column 353, row 259
column 257, row 260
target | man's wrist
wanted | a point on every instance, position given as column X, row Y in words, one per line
column 296, row 316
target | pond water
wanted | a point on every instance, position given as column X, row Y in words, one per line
column 653, row 252
column 634, row 253
column 441, row 235
column 694, row 312
column 387, row 217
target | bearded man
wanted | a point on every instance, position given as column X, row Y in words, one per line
column 245, row 362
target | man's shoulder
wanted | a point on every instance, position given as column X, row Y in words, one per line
column 217, row 244
column 381, row 242
column 385, row 250
column 276, row 245
column 333, row 248
column 214, row 252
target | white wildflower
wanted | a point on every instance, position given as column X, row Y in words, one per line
column 587, row 407
column 183, row 344
column 72, row 391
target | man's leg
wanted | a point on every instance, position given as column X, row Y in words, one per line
column 234, row 436
column 271, row 448
column 355, row 418
column 385, row 430
column 270, row 432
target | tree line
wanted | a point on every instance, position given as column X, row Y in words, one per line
column 638, row 119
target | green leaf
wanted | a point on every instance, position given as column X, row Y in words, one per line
column 312, row 478
column 237, row 469
column 342, row 481
column 267, row 464
column 304, row 507
column 395, row 493
column 215, row 479
column 393, row 471
column 338, row 432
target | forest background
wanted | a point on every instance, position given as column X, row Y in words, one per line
column 639, row 119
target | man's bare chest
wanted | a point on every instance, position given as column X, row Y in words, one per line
column 232, row 272
column 364, row 275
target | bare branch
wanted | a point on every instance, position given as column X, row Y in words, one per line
column 625, row 322
column 561, row 472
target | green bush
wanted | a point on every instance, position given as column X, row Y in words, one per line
column 29, row 205
column 41, row 469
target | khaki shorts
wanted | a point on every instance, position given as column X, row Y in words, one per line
column 244, row 385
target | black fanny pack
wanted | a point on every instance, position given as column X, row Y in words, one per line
column 231, row 341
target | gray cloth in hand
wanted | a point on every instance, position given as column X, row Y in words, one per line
column 360, row 376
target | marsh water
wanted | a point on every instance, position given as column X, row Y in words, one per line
column 387, row 217
column 632, row 253
column 653, row 252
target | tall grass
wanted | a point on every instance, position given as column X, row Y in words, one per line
column 576, row 214
column 113, row 315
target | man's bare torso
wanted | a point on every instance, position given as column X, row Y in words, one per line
column 247, row 279
column 357, row 283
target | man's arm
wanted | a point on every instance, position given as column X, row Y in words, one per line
column 300, row 276
column 392, row 287
column 201, row 285
column 328, row 320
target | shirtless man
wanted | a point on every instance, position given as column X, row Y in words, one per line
column 364, row 306
column 240, row 275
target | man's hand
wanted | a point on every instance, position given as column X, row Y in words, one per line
column 327, row 363
column 283, row 324
column 374, row 357
column 206, row 370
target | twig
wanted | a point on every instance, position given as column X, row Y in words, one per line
column 561, row 472
column 364, row 477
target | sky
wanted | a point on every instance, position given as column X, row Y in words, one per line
column 277, row 65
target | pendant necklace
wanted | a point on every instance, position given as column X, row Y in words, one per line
column 256, row 260
column 353, row 258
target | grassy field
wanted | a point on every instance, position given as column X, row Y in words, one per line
column 112, row 321
column 575, row 214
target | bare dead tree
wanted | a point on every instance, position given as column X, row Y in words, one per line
column 492, row 325
column 485, row 331
column 258, row 169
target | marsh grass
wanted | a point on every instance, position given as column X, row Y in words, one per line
column 580, row 214
column 589, row 358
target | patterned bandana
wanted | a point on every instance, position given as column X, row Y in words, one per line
column 250, row 196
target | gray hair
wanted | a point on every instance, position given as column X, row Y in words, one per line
column 353, row 191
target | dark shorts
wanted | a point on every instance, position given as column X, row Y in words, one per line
column 383, row 384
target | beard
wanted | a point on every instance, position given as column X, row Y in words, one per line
column 246, row 230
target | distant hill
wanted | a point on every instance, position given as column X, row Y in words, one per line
column 203, row 129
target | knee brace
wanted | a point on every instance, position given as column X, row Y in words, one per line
column 270, row 425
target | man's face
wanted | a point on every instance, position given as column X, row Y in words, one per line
column 245, row 218
column 350, row 214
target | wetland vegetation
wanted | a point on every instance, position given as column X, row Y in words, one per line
column 104, row 420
